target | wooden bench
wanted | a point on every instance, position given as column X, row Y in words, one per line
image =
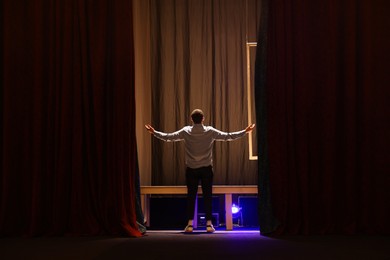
column 146, row 191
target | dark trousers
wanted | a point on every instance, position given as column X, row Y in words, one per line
column 205, row 176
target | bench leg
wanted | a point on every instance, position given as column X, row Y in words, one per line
column 145, row 204
column 228, row 211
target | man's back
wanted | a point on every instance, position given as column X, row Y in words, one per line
column 198, row 141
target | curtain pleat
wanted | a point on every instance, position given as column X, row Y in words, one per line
column 198, row 60
column 68, row 119
column 323, row 81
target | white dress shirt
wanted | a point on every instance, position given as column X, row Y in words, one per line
column 198, row 141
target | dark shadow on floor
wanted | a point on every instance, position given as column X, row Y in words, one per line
column 200, row 245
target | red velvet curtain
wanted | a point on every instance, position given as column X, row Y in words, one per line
column 327, row 115
column 68, row 151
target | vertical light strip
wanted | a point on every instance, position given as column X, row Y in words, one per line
column 249, row 96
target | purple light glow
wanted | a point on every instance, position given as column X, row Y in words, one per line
column 235, row 209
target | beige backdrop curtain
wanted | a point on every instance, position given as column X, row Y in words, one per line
column 142, row 86
column 197, row 59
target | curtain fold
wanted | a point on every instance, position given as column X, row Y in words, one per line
column 267, row 220
column 325, row 86
column 68, row 154
column 198, row 52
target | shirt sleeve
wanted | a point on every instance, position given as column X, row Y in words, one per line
column 224, row 136
column 170, row 137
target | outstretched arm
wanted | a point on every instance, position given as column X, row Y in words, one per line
column 168, row 137
column 225, row 136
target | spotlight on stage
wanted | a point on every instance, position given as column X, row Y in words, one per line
column 235, row 209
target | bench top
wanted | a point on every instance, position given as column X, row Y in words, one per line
column 217, row 189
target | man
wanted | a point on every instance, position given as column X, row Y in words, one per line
column 199, row 141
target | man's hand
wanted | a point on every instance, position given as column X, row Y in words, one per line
column 149, row 128
column 249, row 128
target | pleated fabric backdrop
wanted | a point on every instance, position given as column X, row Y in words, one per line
column 198, row 60
column 68, row 147
column 322, row 97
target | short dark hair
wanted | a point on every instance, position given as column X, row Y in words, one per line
column 197, row 116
